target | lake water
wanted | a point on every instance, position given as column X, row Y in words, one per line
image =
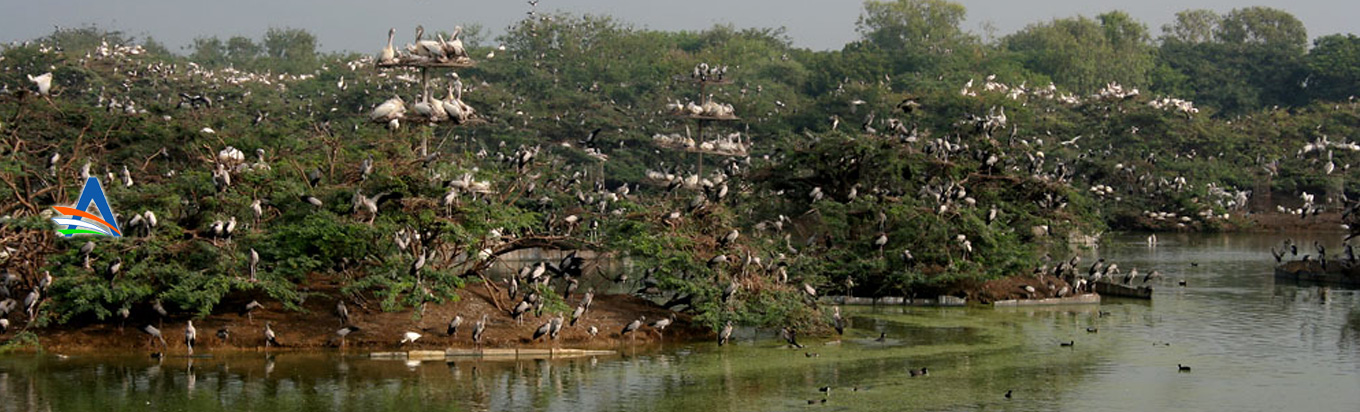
column 1253, row 344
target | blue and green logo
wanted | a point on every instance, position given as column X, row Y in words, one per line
column 73, row 218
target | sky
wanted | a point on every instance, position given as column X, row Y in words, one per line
column 361, row 25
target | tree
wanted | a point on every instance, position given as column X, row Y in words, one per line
column 919, row 32
column 1263, row 26
column 1334, row 67
column 294, row 50
column 1192, row 26
column 1085, row 54
column 242, row 50
column 209, row 51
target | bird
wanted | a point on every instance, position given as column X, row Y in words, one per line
column 190, row 336
column 44, row 83
column 660, row 324
column 1092, row 330
column 729, row 238
column 4, row 325
column 556, row 327
column 541, row 331
column 389, row 54
column 1182, row 368
column 478, row 329
column 576, row 314
column 342, row 312
column 223, row 333
column 882, row 337
column 1008, row 394
column 254, row 262
column 269, row 337
column 250, row 308
column 454, row 324
column 409, row 337
column 790, row 335
column 921, row 372
column 725, row 334
column 633, row 326
column 345, row 331
column 155, row 335
column 312, row 200
column 1068, row 344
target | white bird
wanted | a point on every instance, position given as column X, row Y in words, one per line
column 389, row 55
column 44, row 83
column 391, row 109
column 190, row 335
column 409, row 337
column 454, row 47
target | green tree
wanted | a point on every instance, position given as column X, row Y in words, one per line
column 209, row 51
column 293, row 50
column 1192, row 26
column 242, row 50
column 917, row 32
column 1263, row 26
column 1085, row 54
column 1334, row 67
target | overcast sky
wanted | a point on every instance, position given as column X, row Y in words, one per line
column 357, row 25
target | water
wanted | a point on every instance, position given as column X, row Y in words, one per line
column 1253, row 345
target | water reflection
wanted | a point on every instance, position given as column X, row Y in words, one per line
column 1254, row 344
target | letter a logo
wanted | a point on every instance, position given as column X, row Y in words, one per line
column 92, row 193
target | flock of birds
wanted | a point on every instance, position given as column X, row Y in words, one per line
column 946, row 195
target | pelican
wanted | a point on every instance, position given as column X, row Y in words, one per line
column 391, row 109
column 453, row 107
column 44, row 83
column 389, row 55
column 427, row 48
column 454, row 47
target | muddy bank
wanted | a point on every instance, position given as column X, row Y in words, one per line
column 315, row 327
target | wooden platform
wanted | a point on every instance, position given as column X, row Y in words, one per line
column 1123, row 291
column 492, row 353
column 457, row 64
column 1087, row 299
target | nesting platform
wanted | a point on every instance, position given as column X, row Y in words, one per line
column 455, row 64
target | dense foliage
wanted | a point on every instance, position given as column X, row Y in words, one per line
column 970, row 160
